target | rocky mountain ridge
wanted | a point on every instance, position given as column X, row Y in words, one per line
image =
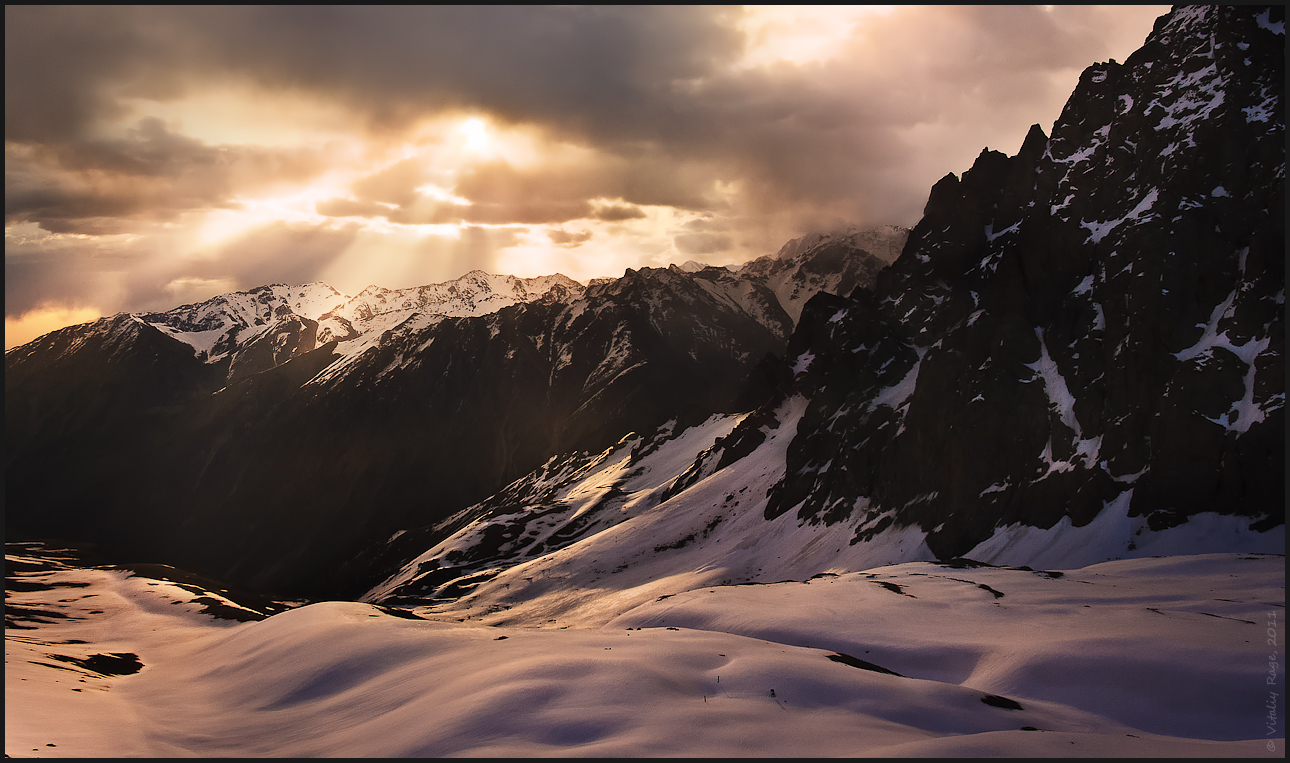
column 1097, row 320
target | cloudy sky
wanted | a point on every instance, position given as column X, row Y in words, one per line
column 159, row 156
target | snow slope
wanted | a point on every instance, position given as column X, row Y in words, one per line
column 1150, row 657
column 580, row 540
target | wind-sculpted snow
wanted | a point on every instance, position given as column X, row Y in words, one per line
column 1147, row 658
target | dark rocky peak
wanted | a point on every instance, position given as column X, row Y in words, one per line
column 82, row 382
column 1033, row 147
column 1095, row 322
column 1082, row 329
column 951, row 234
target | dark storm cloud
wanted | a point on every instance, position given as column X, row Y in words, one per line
column 827, row 135
column 647, row 86
column 101, row 186
column 650, row 179
column 116, row 277
column 63, row 203
column 63, row 66
column 616, row 213
column 702, row 243
column 569, row 240
column 289, row 253
column 566, row 64
column 532, row 212
column 67, row 69
column 395, row 184
column 68, row 274
column 551, row 192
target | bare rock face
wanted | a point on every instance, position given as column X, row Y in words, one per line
column 1101, row 314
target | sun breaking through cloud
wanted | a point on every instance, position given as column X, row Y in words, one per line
column 155, row 155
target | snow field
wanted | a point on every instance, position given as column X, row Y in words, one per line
column 1172, row 646
column 1139, row 657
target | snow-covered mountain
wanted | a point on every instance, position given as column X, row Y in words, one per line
column 1078, row 357
column 377, row 309
column 823, row 263
column 262, row 328
column 883, row 241
column 223, row 325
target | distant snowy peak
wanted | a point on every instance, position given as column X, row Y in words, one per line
column 295, row 319
column 836, row 263
column 690, row 266
column 220, row 325
column 884, row 241
column 474, row 294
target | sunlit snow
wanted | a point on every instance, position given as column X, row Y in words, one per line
column 1144, row 657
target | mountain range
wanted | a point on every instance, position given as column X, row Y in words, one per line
column 263, row 436
column 1086, row 336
